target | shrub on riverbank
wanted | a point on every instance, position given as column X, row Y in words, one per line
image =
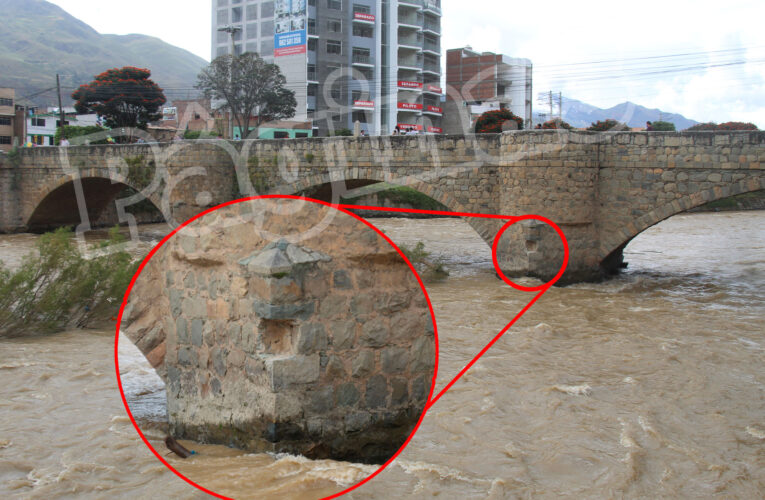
column 58, row 288
column 430, row 269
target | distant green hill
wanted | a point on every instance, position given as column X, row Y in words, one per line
column 39, row 39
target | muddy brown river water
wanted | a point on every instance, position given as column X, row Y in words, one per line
column 649, row 385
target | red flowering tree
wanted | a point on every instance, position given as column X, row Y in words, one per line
column 491, row 122
column 556, row 124
column 125, row 97
column 608, row 126
column 737, row 126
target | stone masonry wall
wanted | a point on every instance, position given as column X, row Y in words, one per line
column 322, row 347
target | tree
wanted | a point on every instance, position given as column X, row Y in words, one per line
column 737, row 126
column 556, row 123
column 125, row 97
column 663, row 126
column 491, row 122
column 252, row 89
column 703, row 127
column 608, row 126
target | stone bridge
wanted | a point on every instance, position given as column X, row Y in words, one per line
column 602, row 189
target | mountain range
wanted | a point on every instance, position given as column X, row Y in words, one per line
column 39, row 39
column 581, row 115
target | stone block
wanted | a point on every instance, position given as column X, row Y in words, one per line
column 363, row 364
column 376, row 394
column 374, row 333
column 286, row 371
column 312, row 338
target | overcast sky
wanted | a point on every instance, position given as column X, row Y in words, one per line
column 721, row 77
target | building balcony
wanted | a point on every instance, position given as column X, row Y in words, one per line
column 410, row 64
column 364, row 18
column 433, row 110
column 410, row 86
column 429, row 88
column 362, row 60
column 433, row 48
column 434, row 69
column 431, row 7
column 431, row 27
column 410, row 4
column 410, row 107
column 409, row 44
column 410, row 23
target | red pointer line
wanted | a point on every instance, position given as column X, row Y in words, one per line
column 485, row 349
column 429, row 212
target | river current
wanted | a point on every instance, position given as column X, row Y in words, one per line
column 648, row 385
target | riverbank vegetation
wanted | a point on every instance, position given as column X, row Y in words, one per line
column 58, row 288
column 430, row 269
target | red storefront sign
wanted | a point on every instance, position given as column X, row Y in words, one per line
column 435, row 130
column 364, row 17
column 364, row 104
column 433, row 88
column 410, row 106
column 435, row 109
column 409, row 85
column 406, row 127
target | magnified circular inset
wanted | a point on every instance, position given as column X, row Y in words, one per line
column 313, row 357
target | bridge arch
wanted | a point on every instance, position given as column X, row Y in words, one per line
column 613, row 245
column 59, row 205
column 486, row 228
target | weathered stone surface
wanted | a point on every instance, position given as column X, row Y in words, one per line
column 363, row 364
column 292, row 370
column 312, row 337
column 374, row 333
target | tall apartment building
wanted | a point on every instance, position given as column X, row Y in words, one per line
column 7, row 118
column 484, row 81
column 377, row 62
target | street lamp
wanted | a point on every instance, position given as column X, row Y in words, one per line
column 232, row 31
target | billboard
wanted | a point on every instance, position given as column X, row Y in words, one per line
column 290, row 35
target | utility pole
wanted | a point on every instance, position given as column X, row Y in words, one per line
column 232, row 31
column 560, row 106
column 60, row 106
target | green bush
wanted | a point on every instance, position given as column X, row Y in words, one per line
column 58, row 288
column 192, row 134
column 663, row 127
column 344, row 132
column 72, row 132
column 608, row 126
column 491, row 122
column 430, row 270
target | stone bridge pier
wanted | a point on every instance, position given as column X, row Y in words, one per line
column 602, row 189
column 279, row 337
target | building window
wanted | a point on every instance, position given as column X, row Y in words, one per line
column 312, row 72
column 267, row 46
column 222, row 17
column 58, row 123
column 312, row 26
column 4, row 139
column 38, row 122
column 7, row 121
column 312, row 90
column 362, row 9
column 363, row 31
column 359, row 116
column 252, row 30
column 365, row 74
column 362, row 56
column 223, row 37
column 267, row 9
column 4, row 101
column 335, row 94
column 222, row 51
column 280, row 134
column 252, row 12
column 312, row 3
column 252, row 47
column 334, row 26
column 312, row 45
column 236, row 15
column 335, row 4
column 267, row 28
column 334, row 47
column 222, row 3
